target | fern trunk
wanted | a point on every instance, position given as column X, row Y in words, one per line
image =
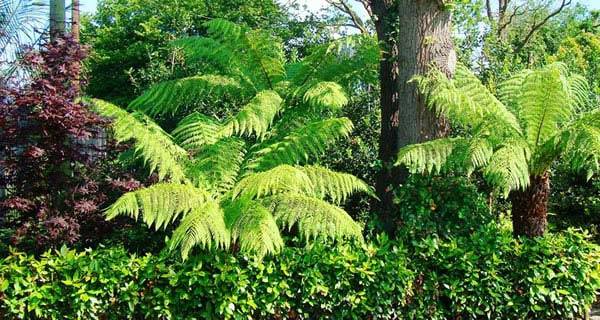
column 530, row 207
column 414, row 35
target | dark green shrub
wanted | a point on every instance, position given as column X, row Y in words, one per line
column 486, row 275
column 489, row 275
column 323, row 281
column 441, row 206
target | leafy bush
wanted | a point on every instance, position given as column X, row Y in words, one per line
column 328, row 282
column 489, row 275
column 443, row 206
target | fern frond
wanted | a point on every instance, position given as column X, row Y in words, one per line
column 510, row 89
column 427, row 157
column 196, row 131
column 254, row 228
column 302, row 144
column 203, row 226
column 265, row 52
column 466, row 101
column 314, row 217
column 283, row 178
column 508, row 169
column 223, row 30
column 545, row 103
column 325, row 96
column 151, row 143
column 335, row 185
column 217, row 166
column 170, row 96
column 256, row 117
column 582, row 145
column 159, row 204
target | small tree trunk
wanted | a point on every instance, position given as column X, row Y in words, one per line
column 75, row 20
column 57, row 19
column 530, row 207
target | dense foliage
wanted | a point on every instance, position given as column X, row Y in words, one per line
column 53, row 180
column 487, row 275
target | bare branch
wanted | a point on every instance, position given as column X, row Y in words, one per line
column 344, row 7
column 537, row 26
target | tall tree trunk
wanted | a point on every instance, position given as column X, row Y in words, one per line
column 75, row 21
column 530, row 207
column 57, row 19
column 414, row 36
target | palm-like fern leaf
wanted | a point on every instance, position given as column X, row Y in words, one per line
column 545, row 104
column 465, row 100
column 334, row 185
column 283, row 178
column 152, row 144
column 159, row 204
column 302, row 144
column 253, row 228
column 170, row 96
column 326, row 96
column 256, row 117
column 428, row 157
column 314, row 217
column 508, row 167
column 217, row 166
column 196, row 131
column 203, row 226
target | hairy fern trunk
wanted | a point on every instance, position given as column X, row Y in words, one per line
column 530, row 207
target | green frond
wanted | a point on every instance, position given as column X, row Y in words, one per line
column 335, row 185
column 582, row 145
column 478, row 154
column 204, row 226
column 196, row 131
column 508, row 169
column 216, row 166
column 223, row 30
column 509, row 90
column 579, row 91
column 170, row 96
column 325, row 96
column 265, row 52
column 151, row 143
column 159, row 204
column 254, row 228
column 256, row 117
column 313, row 216
column 283, row 178
column 301, row 144
column 466, row 101
column 427, row 157
column 545, row 104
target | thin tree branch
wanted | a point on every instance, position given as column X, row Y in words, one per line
column 537, row 26
column 344, row 7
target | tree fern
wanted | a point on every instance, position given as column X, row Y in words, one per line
column 514, row 139
column 239, row 179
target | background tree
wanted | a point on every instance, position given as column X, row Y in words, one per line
column 515, row 138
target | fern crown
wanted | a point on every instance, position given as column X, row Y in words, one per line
column 247, row 177
column 533, row 119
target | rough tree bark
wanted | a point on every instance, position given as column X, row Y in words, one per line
column 75, row 20
column 415, row 35
column 530, row 207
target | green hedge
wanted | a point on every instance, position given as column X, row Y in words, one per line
column 485, row 275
